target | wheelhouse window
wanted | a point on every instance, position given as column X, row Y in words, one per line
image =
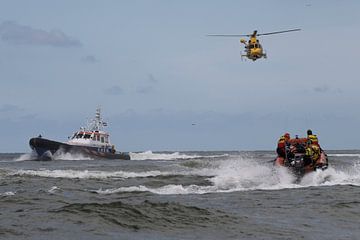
column 87, row 136
column 106, row 139
column 102, row 139
column 80, row 135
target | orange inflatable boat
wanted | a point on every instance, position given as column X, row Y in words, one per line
column 298, row 162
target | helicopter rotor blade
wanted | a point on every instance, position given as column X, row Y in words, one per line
column 269, row 33
column 228, row 35
column 251, row 35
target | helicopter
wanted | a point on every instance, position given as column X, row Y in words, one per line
column 253, row 48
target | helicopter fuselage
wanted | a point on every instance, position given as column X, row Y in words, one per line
column 253, row 49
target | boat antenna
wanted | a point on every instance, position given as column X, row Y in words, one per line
column 97, row 123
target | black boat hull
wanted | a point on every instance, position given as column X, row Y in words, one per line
column 46, row 148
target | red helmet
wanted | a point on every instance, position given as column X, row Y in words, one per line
column 287, row 135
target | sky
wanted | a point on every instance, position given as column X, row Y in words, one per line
column 162, row 84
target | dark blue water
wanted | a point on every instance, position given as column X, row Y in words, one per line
column 189, row 195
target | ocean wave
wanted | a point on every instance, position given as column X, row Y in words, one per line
column 26, row 157
column 332, row 176
column 165, row 190
column 9, row 193
column 344, row 155
column 54, row 189
column 149, row 155
column 149, row 215
column 85, row 174
column 244, row 175
column 59, row 155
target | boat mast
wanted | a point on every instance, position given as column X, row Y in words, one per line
column 97, row 123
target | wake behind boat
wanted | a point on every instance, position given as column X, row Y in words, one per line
column 91, row 141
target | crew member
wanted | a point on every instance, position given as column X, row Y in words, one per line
column 282, row 143
column 312, row 153
column 322, row 160
column 314, row 139
column 113, row 149
column 309, row 132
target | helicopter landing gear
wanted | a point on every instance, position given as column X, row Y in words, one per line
column 242, row 57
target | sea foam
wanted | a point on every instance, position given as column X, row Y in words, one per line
column 247, row 175
column 149, row 155
column 85, row 174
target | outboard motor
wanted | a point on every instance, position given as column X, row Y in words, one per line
column 296, row 164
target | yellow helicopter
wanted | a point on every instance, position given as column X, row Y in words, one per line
column 253, row 48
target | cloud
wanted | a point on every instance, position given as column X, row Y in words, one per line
column 14, row 33
column 152, row 79
column 114, row 90
column 321, row 89
column 89, row 59
column 9, row 108
column 144, row 89
column 326, row 89
column 148, row 85
column 10, row 111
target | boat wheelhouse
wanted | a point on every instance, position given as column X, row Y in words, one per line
column 93, row 135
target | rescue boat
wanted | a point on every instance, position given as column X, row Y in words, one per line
column 296, row 160
column 91, row 141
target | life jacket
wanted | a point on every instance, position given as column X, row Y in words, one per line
column 314, row 139
column 313, row 151
column 282, row 142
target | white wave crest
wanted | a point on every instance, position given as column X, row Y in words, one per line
column 149, row 155
column 60, row 155
column 344, row 155
column 245, row 175
column 85, row 174
column 332, row 176
column 26, row 157
column 165, row 190
column 225, row 176
column 7, row 193
column 54, row 189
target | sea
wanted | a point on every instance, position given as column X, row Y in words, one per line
column 178, row 195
